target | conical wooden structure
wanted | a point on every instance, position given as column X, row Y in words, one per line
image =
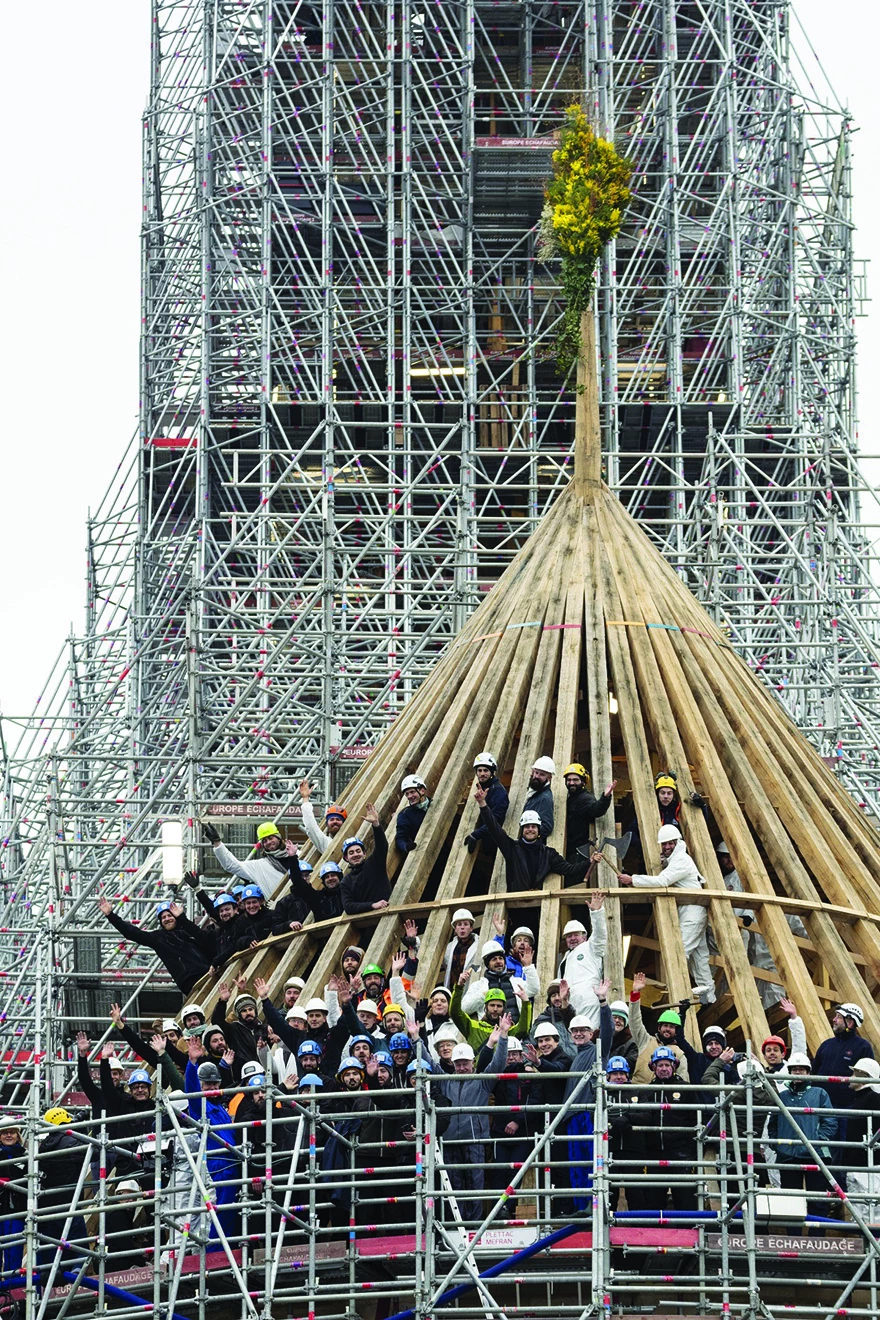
column 588, row 609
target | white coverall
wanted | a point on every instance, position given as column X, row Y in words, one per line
column 756, row 948
column 262, row 871
column 581, row 967
column 680, row 872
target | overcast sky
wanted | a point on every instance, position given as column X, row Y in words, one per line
column 73, row 95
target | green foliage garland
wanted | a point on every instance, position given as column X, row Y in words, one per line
column 585, row 201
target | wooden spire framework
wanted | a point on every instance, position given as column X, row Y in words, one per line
column 591, row 649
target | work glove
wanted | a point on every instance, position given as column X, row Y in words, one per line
column 471, row 842
column 191, row 878
column 210, row 833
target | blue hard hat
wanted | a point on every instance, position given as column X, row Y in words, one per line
column 617, row 1063
column 664, row 1052
column 384, row 1058
column 238, row 890
column 223, row 899
column 258, row 1080
column 140, row 1075
column 309, row 1047
column 253, row 891
column 367, row 1040
column 349, row 1062
column 352, row 839
column 411, row 1067
column 311, row 1079
column 305, row 866
column 399, row 1041
column 329, row 867
column 162, row 907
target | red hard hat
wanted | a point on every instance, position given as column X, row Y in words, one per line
column 775, row 1040
column 335, row 810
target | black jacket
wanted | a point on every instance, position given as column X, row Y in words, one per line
column 292, row 907
column 857, row 1128
column 331, row 1039
column 541, row 800
column 364, row 885
column 144, row 1050
column 224, row 934
column 59, row 1174
column 409, row 822
column 663, row 1107
column 581, row 810
column 625, row 1140
column 258, row 927
column 550, row 1066
column 529, row 864
column 324, row 904
column 835, row 1058
column 13, row 1168
column 185, row 951
column 497, row 800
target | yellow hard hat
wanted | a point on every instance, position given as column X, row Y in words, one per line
column 666, row 780
column 576, row 769
column 58, row 1116
column 266, row 829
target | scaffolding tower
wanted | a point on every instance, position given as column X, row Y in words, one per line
column 352, row 417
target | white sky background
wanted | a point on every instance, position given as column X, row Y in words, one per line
column 73, row 93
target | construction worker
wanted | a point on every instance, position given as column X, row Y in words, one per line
column 863, row 1182
column 666, row 1034
column 183, row 947
column 62, row 1155
column 498, row 976
column 528, row 859
column 293, row 988
column 668, row 1115
column 409, row 820
column 558, row 1011
column 581, row 966
column 257, row 919
column 13, row 1200
column 476, row 1031
column 582, row 809
column 540, row 797
column 365, row 886
column 325, row 903
column 497, row 799
column 204, row 1082
column 334, row 819
column 680, row 872
column 246, row 1034
column 462, row 949
column 813, row 1118
column 626, row 1141
column 291, row 911
column 228, row 928
column 549, row 1058
column 271, row 867
column 623, row 1045
column 464, row 1145
column 836, row 1056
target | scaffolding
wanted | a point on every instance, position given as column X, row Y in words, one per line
column 352, row 417
column 317, row 1206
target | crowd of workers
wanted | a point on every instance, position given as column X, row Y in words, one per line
column 502, row 1056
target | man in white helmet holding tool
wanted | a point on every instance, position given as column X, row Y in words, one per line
column 680, row 872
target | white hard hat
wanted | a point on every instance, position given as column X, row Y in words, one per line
column 368, row 1006
column 412, row 781
column 296, row 1012
column 620, row 1009
column 852, row 1010
column 317, row 1006
column 668, row 834
column 545, row 1029
column 168, row 1024
column 189, row 1009
column 545, row 763
column 579, row 1021
column 252, row 1068
column 462, row 1052
column 462, row 914
column 574, row 928
column 514, row 1045
column 178, row 1101
column 448, row 1031
column 866, row 1068
column 529, row 818
column 798, row 1060
column 242, row 1000
column 723, row 849
column 487, row 759
column 295, row 980
column 117, row 1065
column 523, row 930
column 490, row 949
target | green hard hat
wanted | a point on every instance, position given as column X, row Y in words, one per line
column 495, row 994
column 372, row 970
column 670, row 1016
